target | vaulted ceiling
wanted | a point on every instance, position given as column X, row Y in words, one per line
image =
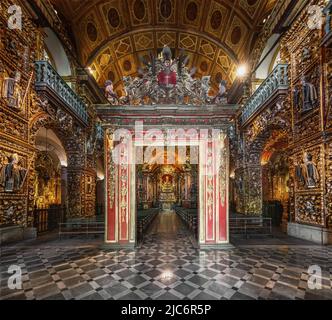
column 111, row 35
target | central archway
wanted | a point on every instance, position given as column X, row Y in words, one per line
column 122, row 153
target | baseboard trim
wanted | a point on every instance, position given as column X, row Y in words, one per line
column 222, row 246
column 117, row 246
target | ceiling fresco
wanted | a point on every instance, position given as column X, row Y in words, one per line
column 112, row 36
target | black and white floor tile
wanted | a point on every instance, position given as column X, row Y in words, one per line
column 164, row 268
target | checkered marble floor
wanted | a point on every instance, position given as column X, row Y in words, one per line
column 165, row 267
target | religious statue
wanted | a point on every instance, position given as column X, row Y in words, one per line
column 221, row 96
column 299, row 174
column 12, row 91
column 110, row 95
column 12, row 175
column 307, row 173
column 310, row 171
column 205, row 88
column 309, row 95
column 167, row 184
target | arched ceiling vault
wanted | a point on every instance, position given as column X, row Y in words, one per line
column 112, row 35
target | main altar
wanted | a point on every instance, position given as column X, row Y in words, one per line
column 167, row 196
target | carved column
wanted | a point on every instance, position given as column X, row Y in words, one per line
column 64, row 190
column 186, row 202
column 253, row 190
column 251, row 184
column 81, row 175
column 213, row 193
column 145, row 190
column 120, row 194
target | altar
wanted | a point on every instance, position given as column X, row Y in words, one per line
column 167, row 196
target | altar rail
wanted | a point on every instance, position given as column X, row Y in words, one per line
column 48, row 79
column 250, row 226
column 277, row 80
column 87, row 227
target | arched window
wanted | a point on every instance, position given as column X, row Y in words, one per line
column 56, row 53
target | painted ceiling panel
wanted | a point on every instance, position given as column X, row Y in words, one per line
column 111, row 36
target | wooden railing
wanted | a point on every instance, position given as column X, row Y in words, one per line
column 81, row 228
column 47, row 77
column 277, row 80
column 250, row 226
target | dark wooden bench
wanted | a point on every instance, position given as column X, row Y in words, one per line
column 189, row 217
column 144, row 220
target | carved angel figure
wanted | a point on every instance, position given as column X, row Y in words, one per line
column 221, row 97
column 110, row 95
column 65, row 120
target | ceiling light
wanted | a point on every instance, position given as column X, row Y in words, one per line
column 242, row 71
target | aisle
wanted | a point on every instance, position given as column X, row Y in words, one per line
column 166, row 223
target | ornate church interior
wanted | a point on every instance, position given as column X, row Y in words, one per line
column 166, row 149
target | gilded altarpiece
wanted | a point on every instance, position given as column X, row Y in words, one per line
column 18, row 49
column 308, row 151
column 23, row 112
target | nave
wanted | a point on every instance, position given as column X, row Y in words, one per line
column 165, row 267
